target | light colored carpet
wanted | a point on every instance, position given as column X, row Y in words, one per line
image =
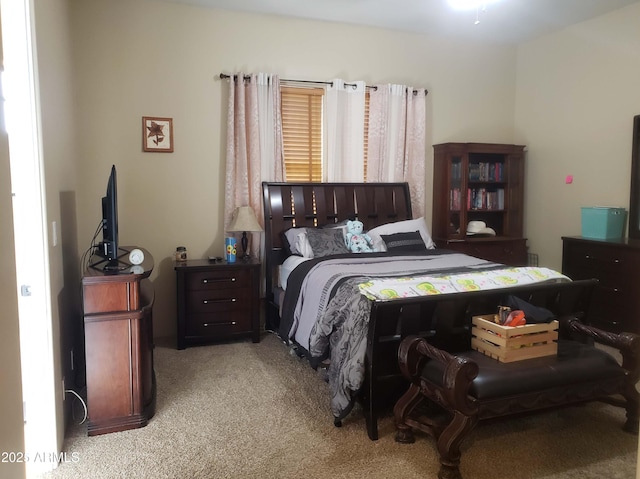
column 244, row 410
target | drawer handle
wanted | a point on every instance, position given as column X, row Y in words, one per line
column 228, row 323
column 225, row 300
column 612, row 289
column 217, row 280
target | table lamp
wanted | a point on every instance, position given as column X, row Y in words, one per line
column 243, row 220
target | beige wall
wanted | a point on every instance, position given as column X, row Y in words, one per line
column 139, row 58
column 577, row 93
column 56, row 94
column 12, row 434
column 56, row 115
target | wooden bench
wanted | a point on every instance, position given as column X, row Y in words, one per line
column 451, row 392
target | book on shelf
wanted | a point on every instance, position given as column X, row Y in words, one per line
column 455, row 199
column 456, row 171
column 483, row 199
column 483, row 171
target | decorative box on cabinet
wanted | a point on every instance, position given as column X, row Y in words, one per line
column 615, row 302
column 217, row 301
column 480, row 182
column 118, row 329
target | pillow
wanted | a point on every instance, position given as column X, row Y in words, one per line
column 324, row 242
column 401, row 242
column 342, row 226
column 298, row 243
column 407, row 226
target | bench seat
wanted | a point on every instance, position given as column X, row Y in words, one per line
column 450, row 393
column 575, row 363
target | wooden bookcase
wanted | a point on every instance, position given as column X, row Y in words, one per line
column 480, row 182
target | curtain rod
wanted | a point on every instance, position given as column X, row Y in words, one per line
column 246, row 77
column 224, row 76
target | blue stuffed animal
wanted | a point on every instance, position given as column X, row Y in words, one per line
column 356, row 240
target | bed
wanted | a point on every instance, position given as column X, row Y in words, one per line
column 348, row 311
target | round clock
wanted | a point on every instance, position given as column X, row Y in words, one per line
column 136, row 256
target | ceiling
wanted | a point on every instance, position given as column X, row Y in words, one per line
column 503, row 21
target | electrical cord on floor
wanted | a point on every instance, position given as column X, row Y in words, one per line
column 84, row 405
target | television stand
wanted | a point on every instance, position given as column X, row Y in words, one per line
column 118, row 331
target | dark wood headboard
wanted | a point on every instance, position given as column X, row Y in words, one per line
column 316, row 204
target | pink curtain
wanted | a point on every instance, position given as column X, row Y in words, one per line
column 397, row 139
column 254, row 144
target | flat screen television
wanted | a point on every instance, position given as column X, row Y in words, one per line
column 109, row 245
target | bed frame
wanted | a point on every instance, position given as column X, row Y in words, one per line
column 288, row 205
column 444, row 319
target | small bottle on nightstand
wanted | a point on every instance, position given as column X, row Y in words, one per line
column 181, row 254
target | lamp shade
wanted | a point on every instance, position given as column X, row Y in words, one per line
column 244, row 219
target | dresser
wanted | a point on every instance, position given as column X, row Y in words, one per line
column 217, row 301
column 118, row 332
column 615, row 304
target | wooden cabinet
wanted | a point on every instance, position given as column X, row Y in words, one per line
column 480, row 182
column 511, row 251
column 118, row 330
column 217, row 301
column 615, row 303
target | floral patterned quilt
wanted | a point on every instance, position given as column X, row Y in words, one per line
column 408, row 287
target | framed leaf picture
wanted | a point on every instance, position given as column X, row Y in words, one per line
column 157, row 134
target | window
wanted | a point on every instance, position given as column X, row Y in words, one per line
column 302, row 132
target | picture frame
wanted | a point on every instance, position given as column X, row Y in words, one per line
column 157, row 134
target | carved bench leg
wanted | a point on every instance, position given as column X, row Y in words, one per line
column 449, row 472
column 402, row 409
column 449, row 444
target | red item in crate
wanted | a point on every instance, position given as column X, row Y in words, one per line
column 515, row 318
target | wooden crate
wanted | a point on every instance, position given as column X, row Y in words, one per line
column 507, row 344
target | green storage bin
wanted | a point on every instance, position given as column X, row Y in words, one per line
column 603, row 222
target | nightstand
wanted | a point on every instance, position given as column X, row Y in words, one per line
column 217, row 301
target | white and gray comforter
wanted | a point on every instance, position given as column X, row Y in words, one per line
column 325, row 313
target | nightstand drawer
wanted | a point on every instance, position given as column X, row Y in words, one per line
column 211, row 301
column 214, row 279
column 206, row 325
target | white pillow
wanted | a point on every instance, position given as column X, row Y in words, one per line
column 406, row 226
